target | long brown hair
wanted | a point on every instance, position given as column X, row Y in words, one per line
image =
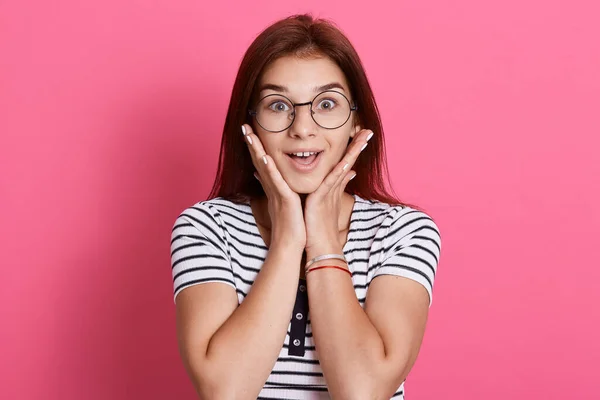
column 301, row 36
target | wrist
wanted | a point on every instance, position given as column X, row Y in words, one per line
column 336, row 262
column 286, row 249
column 315, row 253
column 321, row 250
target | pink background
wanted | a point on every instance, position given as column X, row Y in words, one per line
column 111, row 114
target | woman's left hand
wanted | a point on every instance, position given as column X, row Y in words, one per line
column 323, row 206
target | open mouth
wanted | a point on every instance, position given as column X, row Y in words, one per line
column 305, row 158
column 305, row 161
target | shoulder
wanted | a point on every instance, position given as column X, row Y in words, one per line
column 407, row 244
column 217, row 218
column 216, row 210
column 397, row 222
column 410, row 226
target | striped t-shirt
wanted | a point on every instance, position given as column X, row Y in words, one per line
column 218, row 241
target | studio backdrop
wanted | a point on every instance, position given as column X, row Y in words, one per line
column 111, row 115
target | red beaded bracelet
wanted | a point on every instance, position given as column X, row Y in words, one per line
column 328, row 266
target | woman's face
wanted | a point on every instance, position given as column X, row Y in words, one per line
column 300, row 81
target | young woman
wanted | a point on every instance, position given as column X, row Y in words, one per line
column 274, row 274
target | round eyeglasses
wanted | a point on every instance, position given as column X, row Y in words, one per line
column 329, row 109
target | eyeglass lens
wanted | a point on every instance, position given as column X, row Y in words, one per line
column 330, row 110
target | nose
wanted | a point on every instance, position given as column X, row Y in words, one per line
column 304, row 125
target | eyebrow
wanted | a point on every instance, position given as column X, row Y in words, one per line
column 284, row 89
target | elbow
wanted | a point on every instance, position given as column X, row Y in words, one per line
column 215, row 382
column 207, row 384
column 224, row 387
column 372, row 393
column 380, row 387
column 208, row 379
column 215, row 391
column 210, row 386
column 363, row 389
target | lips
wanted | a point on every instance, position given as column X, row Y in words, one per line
column 305, row 164
column 304, row 160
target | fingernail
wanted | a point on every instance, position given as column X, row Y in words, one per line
column 353, row 176
column 244, row 130
column 370, row 136
column 255, row 176
column 249, row 139
column 362, row 148
column 345, row 166
column 265, row 159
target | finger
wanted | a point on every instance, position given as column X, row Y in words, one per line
column 269, row 175
column 340, row 186
column 358, row 144
column 254, row 146
column 274, row 178
column 261, row 160
column 257, row 154
column 347, row 178
column 265, row 188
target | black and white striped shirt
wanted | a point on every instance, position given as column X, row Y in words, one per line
column 218, row 241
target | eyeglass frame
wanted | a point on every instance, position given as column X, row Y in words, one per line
column 253, row 113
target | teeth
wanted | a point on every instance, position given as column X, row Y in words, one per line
column 305, row 154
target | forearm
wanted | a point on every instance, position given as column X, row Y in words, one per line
column 347, row 343
column 241, row 354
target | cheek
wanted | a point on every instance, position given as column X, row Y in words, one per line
column 336, row 153
column 267, row 143
column 340, row 147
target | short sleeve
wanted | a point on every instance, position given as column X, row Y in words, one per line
column 411, row 247
column 198, row 250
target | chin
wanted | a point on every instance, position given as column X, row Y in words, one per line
column 305, row 187
column 301, row 183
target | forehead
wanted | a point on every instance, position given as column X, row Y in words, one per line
column 301, row 75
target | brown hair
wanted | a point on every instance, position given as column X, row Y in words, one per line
column 301, row 36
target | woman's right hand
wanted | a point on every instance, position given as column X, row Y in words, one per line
column 285, row 207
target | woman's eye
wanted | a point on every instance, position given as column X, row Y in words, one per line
column 279, row 106
column 327, row 104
